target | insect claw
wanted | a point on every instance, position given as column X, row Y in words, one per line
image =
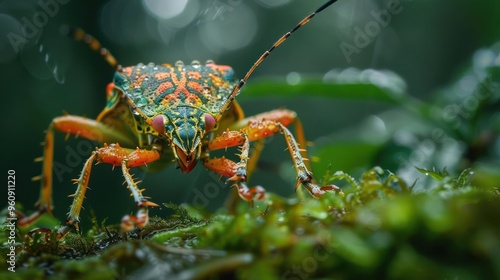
column 149, row 203
column 67, row 136
column 38, row 159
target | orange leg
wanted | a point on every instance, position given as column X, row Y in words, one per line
column 237, row 172
column 259, row 127
column 80, row 126
column 283, row 116
column 117, row 156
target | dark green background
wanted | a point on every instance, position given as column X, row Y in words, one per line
column 427, row 44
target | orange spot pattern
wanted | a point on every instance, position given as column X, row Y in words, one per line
column 174, row 85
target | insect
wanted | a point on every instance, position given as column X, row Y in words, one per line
column 159, row 114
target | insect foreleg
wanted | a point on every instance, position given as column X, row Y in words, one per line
column 267, row 125
column 117, row 156
column 75, row 125
column 236, row 172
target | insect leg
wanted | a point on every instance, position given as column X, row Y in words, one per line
column 236, row 172
column 283, row 116
column 117, row 156
column 78, row 197
column 76, row 125
column 265, row 125
column 128, row 158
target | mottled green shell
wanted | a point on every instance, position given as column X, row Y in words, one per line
column 182, row 94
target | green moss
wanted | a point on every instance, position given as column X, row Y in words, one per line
column 377, row 227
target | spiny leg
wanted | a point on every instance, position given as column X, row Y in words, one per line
column 283, row 116
column 78, row 197
column 76, row 125
column 233, row 199
column 116, row 156
column 141, row 218
column 304, row 176
column 128, row 158
column 265, row 128
column 236, row 172
column 259, row 129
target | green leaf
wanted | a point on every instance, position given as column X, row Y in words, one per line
column 344, row 155
column 349, row 84
column 436, row 175
column 464, row 178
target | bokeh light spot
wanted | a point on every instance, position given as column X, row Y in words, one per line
column 272, row 3
column 293, row 78
column 232, row 28
column 165, row 9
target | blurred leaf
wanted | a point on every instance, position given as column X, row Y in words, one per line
column 344, row 155
column 437, row 175
column 349, row 84
column 486, row 175
column 464, row 178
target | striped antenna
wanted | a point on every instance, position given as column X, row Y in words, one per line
column 80, row 35
column 283, row 38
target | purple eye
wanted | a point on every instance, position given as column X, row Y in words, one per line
column 158, row 124
column 209, row 122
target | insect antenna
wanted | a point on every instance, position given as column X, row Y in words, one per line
column 283, row 38
column 80, row 35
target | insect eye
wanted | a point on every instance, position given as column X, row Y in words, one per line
column 158, row 124
column 209, row 122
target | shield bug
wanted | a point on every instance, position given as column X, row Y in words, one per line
column 161, row 114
